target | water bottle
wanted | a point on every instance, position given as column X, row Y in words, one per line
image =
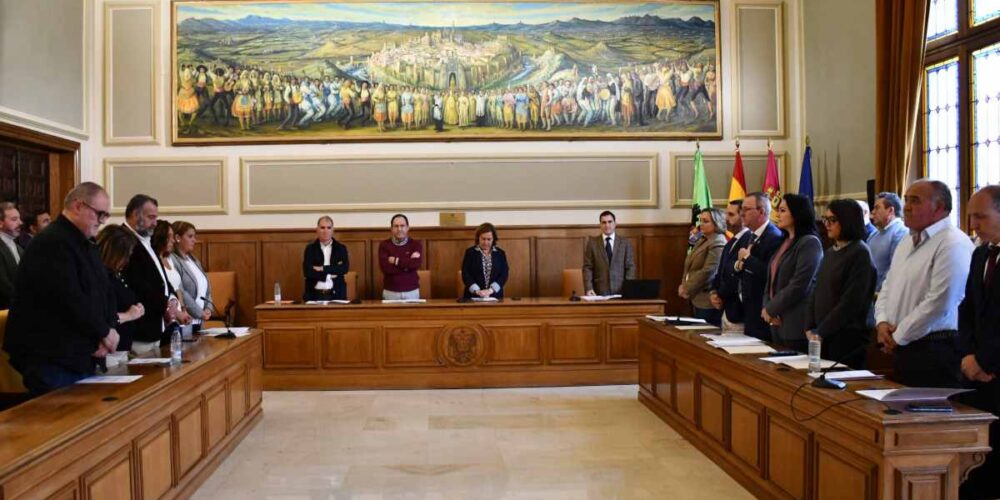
column 277, row 293
column 814, row 359
column 176, row 346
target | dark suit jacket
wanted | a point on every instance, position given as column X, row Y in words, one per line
column 603, row 277
column 727, row 281
column 339, row 265
column 63, row 307
column 792, row 287
column 472, row 270
column 8, row 270
column 979, row 316
column 142, row 274
column 124, row 298
column 753, row 280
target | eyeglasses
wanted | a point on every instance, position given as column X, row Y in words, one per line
column 830, row 220
column 102, row 216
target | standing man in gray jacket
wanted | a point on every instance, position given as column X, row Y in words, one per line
column 607, row 260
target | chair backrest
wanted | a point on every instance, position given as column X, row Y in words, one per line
column 352, row 284
column 459, row 285
column 10, row 379
column 572, row 280
column 425, row 283
column 223, row 285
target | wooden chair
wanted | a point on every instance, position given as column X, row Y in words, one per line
column 223, row 285
column 572, row 280
column 10, row 379
column 352, row 284
column 459, row 285
column 425, row 283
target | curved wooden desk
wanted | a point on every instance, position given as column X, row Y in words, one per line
column 443, row 343
column 735, row 409
column 160, row 436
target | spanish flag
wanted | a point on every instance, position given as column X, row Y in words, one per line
column 738, row 185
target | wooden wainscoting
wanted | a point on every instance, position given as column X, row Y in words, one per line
column 537, row 256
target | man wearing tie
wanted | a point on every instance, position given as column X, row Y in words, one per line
column 916, row 314
column 762, row 240
column 725, row 286
column 607, row 260
column 979, row 335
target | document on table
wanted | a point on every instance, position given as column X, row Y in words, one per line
column 719, row 341
column 800, row 362
column 598, row 298
column 686, row 319
column 239, row 331
column 404, row 301
column 654, row 317
column 911, row 393
column 326, row 302
column 149, row 361
column 747, row 349
column 849, row 375
column 110, row 379
column 696, row 327
column 730, row 337
column 485, row 299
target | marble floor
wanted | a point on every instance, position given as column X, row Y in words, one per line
column 542, row 443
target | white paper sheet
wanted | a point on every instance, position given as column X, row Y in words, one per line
column 686, row 319
column 326, row 302
column 110, row 379
column 696, row 327
column 404, row 301
column 239, row 331
column 911, row 393
column 656, row 318
column 485, row 299
column 722, row 341
column 598, row 298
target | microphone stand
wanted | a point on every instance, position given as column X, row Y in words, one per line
column 225, row 320
column 822, row 382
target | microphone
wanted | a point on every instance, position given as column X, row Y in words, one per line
column 821, row 382
column 574, row 297
column 225, row 320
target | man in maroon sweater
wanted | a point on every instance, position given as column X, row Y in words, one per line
column 399, row 258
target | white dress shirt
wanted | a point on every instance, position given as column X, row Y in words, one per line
column 925, row 283
column 12, row 245
column 327, row 249
column 145, row 242
column 604, row 239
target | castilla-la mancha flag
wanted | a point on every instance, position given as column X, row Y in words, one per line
column 772, row 186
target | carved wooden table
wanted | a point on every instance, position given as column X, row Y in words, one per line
column 446, row 344
column 735, row 409
column 158, row 437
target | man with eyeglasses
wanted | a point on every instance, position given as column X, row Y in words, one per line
column 144, row 274
column 759, row 245
column 62, row 318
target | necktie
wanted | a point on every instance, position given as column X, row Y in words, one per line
column 607, row 247
column 916, row 240
column 991, row 266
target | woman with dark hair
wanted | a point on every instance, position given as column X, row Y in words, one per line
column 840, row 311
column 792, row 273
column 115, row 244
column 163, row 242
column 484, row 267
column 702, row 263
column 195, row 290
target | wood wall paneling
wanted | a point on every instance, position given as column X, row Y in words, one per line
column 788, row 457
column 514, row 344
column 111, row 479
column 553, row 254
column 242, row 258
column 290, row 348
column 156, row 471
column 349, row 346
column 574, row 343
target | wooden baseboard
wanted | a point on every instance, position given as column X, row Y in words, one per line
column 275, row 380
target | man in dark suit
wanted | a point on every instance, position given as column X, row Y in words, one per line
column 979, row 335
column 725, row 286
column 607, row 260
column 751, row 264
column 63, row 316
column 10, row 251
column 324, row 265
column 144, row 274
column 32, row 225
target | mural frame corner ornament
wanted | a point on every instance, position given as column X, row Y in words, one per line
column 321, row 71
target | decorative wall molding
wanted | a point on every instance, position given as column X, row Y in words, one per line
column 745, row 124
column 361, row 183
column 152, row 60
column 181, row 186
column 718, row 171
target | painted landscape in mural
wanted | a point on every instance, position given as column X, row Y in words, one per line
column 297, row 71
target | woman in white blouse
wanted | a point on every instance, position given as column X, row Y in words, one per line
column 194, row 286
column 162, row 242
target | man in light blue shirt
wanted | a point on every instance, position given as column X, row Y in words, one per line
column 891, row 230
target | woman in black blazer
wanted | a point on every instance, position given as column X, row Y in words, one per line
column 115, row 244
column 484, row 267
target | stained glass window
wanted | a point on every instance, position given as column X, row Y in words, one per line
column 941, row 126
column 942, row 20
column 984, row 10
column 986, row 115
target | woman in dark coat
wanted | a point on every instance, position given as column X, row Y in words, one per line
column 115, row 244
column 484, row 267
column 840, row 312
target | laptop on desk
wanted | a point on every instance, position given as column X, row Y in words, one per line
column 641, row 289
